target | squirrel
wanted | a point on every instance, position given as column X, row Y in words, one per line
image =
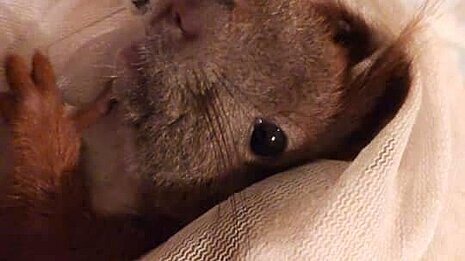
column 219, row 95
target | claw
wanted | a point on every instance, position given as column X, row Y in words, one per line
column 100, row 107
column 18, row 75
column 42, row 73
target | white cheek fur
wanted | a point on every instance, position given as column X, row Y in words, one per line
column 113, row 179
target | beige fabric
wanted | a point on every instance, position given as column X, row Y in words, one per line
column 80, row 36
column 403, row 198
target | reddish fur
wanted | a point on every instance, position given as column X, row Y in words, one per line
column 44, row 210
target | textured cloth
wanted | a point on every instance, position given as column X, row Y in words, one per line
column 79, row 36
column 402, row 198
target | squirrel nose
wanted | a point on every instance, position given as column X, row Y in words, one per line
column 185, row 14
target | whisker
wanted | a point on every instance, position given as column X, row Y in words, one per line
column 220, row 157
column 110, row 77
column 108, row 66
column 238, row 198
column 223, row 112
column 241, row 94
column 220, row 119
column 221, row 142
column 115, row 12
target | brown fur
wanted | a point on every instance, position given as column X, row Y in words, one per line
column 189, row 96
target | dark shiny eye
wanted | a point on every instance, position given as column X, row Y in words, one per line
column 140, row 3
column 268, row 140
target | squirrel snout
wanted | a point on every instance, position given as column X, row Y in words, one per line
column 185, row 14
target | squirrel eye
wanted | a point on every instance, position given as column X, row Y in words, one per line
column 344, row 33
column 268, row 139
column 140, row 3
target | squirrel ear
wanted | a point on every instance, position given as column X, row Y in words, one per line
column 349, row 31
column 377, row 77
column 376, row 89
